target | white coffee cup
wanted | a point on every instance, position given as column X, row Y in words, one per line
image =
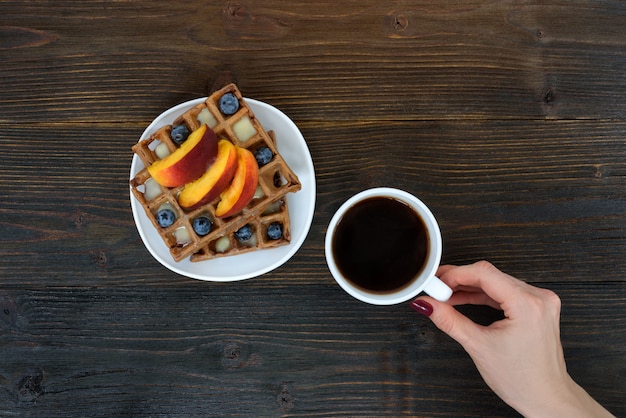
column 425, row 280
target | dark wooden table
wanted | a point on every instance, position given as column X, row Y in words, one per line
column 507, row 118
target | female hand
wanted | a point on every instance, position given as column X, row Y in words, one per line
column 520, row 357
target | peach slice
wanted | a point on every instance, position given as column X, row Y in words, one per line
column 241, row 190
column 214, row 181
column 189, row 161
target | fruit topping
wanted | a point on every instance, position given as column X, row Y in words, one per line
column 189, row 161
column 228, row 104
column 214, row 181
column 242, row 189
column 165, row 217
column 202, row 225
column 244, row 233
column 179, row 134
column 275, row 231
column 263, row 155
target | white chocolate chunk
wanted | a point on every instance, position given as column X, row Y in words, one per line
column 152, row 189
column 182, row 236
column 244, row 129
column 258, row 193
column 161, row 151
column 207, row 118
column 222, row 245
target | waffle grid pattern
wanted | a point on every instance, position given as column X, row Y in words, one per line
column 276, row 179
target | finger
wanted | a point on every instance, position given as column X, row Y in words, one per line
column 447, row 319
column 471, row 289
column 444, row 268
column 446, row 271
column 499, row 286
column 472, row 298
column 459, row 297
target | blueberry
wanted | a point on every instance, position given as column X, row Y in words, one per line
column 263, row 155
column 229, row 104
column 166, row 217
column 244, row 233
column 275, row 231
column 202, row 225
column 179, row 134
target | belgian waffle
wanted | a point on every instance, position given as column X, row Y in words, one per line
column 269, row 204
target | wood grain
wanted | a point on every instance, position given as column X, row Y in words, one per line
column 237, row 342
column 507, row 118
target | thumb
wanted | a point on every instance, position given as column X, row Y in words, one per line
column 447, row 319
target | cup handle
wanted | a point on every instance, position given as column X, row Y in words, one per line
column 438, row 289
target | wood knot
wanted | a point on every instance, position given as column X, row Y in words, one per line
column 235, row 356
column 599, row 171
column 29, row 385
column 284, row 398
column 242, row 23
column 100, row 259
column 79, row 219
column 232, row 352
column 549, row 96
column 8, row 311
column 395, row 24
column 424, row 334
column 235, row 10
column 400, row 23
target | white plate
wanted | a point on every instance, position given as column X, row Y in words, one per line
column 294, row 150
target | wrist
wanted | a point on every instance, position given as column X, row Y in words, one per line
column 567, row 399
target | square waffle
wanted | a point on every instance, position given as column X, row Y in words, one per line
column 268, row 206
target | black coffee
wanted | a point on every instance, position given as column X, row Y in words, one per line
column 380, row 245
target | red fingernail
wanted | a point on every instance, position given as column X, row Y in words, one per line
column 423, row 307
